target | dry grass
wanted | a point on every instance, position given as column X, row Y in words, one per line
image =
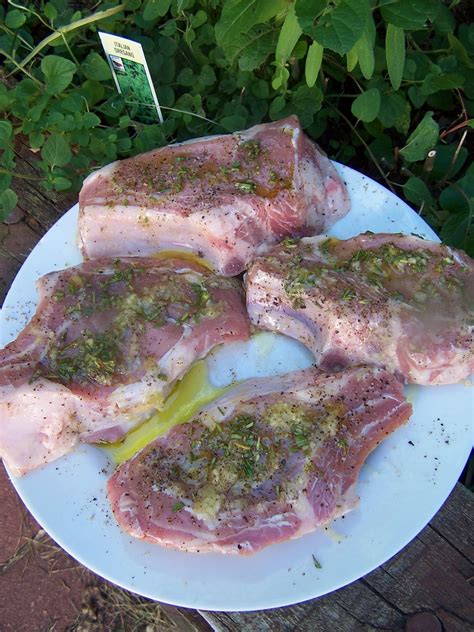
column 109, row 608
column 28, row 546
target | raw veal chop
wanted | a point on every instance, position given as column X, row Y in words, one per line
column 270, row 460
column 391, row 300
column 108, row 340
column 224, row 198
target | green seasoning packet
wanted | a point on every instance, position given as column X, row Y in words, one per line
column 132, row 77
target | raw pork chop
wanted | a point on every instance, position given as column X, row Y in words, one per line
column 108, row 340
column 391, row 300
column 223, row 198
column 270, row 460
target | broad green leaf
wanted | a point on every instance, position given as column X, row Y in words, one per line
column 300, row 49
column 96, row 68
column 456, row 197
column 6, row 132
column 73, row 103
column 56, row 151
column 207, row 75
column 155, row 9
column 58, row 73
column 8, row 201
column 366, row 106
column 444, row 23
column 459, row 200
column 255, row 46
column 198, row 19
column 458, row 230
column 416, row 191
column 88, row 120
column 365, row 55
column 186, row 77
column 280, row 78
column 340, row 28
column 92, row 91
column 395, row 112
column 305, row 102
column 36, row 139
column 6, row 97
column 307, row 12
column 447, row 163
column 14, row 19
column 466, row 35
column 410, row 14
column 276, row 106
column 289, row 35
column 423, row 138
column 50, row 11
column 460, row 51
column 313, row 63
column 60, row 183
column 233, row 123
column 351, row 59
column 382, row 148
column 434, row 83
column 395, row 54
column 416, row 97
column 238, row 17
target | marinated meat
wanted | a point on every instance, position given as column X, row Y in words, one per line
column 224, row 198
column 391, row 300
column 270, row 460
column 107, row 342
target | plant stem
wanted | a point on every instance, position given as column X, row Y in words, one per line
column 163, row 107
column 23, row 176
column 369, row 151
column 100, row 15
column 13, row 61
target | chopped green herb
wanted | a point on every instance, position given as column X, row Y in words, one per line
column 325, row 246
column 290, row 242
column 247, row 187
column 348, row 294
column 316, row 563
column 247, row 467
column 177, row 506
column 251, row 148
column 301, row 438
column 342, row 443
column 202, row 294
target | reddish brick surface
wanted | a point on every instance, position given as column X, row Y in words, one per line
column 16, row 242
column 40, row 585
column 15, row 522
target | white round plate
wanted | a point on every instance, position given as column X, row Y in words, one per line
column 401, row 486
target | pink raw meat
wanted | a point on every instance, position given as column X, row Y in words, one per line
column 224, row 198
column 391, row 300
column 270, row 460
column 109, row 339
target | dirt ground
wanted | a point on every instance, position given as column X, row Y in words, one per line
column 44, row 590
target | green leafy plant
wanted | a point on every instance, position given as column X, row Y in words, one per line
column 384, row 85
